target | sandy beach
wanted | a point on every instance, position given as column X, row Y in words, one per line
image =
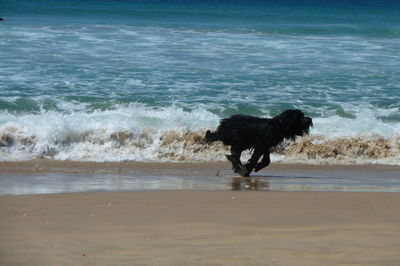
column 197, row 226
column 201, row 228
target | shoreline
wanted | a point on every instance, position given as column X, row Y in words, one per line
column 49, row 177
column 59, row 166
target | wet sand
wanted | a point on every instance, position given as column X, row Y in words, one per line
column 200, row 169
column 47, row 176
column 192, row 225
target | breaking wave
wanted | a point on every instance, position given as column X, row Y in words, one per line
column 318, row 149
column 140, row 133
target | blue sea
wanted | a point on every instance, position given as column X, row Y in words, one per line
column 142, row 80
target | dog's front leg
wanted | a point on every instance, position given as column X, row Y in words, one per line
column 234, row 158
column 264, row 161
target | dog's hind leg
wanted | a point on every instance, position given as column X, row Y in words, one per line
column 234, row 158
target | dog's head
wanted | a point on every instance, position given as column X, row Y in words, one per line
column 293, row 123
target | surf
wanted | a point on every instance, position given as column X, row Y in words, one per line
column 137, row 132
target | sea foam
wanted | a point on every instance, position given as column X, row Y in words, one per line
column 136, row 132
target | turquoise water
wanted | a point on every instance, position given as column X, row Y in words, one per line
column 76, row 73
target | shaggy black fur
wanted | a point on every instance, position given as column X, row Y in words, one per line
column 244, row 132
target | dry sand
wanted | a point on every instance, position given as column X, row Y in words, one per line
column 201, row 228
column 198, row 227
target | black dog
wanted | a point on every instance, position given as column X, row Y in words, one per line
column 244, row 132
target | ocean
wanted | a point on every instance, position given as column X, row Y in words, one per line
column 131, row 80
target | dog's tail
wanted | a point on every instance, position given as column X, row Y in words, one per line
column 212, row 136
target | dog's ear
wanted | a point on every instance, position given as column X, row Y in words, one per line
column 291, row 123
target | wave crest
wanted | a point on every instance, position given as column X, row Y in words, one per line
column 150, row 144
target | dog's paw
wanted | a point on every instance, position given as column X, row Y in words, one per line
column 237, row 168
column 243, row 171
column 258, row 168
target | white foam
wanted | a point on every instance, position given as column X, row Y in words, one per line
column 137, row 132
column 89, row 136
column 366, row 122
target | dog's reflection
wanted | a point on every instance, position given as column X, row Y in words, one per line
column 240, row 183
